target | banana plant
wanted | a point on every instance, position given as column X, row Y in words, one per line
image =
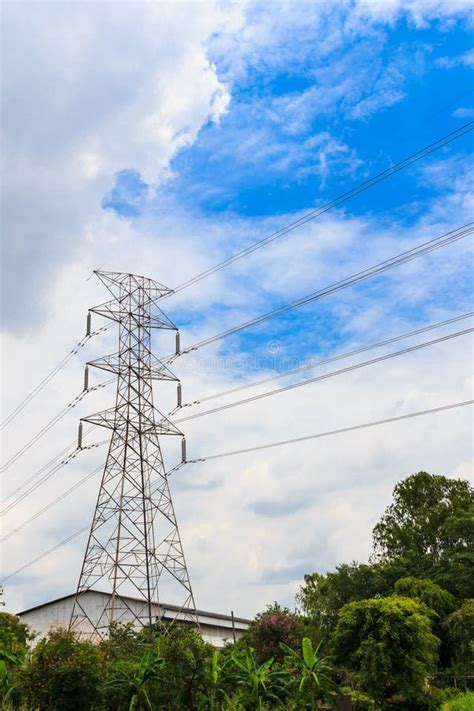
column 216, row 675
column 9, row 662
column 135, row 685
column 314, row 671
column 261, row 682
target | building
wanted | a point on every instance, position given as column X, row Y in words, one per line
column 215, row 628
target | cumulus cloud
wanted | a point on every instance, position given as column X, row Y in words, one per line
column 111, row 87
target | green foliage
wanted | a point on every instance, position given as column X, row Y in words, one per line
column 387, row 644
column 429, row 528
column 361, row 701
column 130, row 684
column 430, row 515
column 63, row 674
column 258, row 683
column 313, row 674
column 463, row 702
column 125, row 642
column 14, row 638
column 216, row 671
column 271, row 628
column 322, row 596
column 458, row 630
column 424, row 590
column 184, row 674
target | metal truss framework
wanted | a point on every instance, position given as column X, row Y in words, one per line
column 134, row 545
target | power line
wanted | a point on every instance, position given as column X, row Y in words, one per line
column 37, row 389
column 48, row 475
column 235, row 452
column 361, row 187
column 326, row 361
column 19, row 453
column 65, row 494
column 325, row 376
column 318, row 435
column 46, row 553
column 257, row 448
column 368, row 273
column 72, row 536
column 65, row 451
column 329, row 433
column 52, row 503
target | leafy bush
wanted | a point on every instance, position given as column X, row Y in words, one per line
column 271, row 628
column 14, row 638
column 256, row 683
column 183, row 676
column 388, row 644
column 63, row 674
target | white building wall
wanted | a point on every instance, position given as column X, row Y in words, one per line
column 215, row 629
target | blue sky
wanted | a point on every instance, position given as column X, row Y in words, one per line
column 292, row 138
column 307, row 122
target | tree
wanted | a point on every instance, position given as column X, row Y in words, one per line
column 426, row 591
column 322, row 596
column 63, row 674
column 184, row 674
column 429, row 516
column 272, row 627
column 459, row 635
column 388, row 645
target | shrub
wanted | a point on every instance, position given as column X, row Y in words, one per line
column 271, row 628
column 63, row 674
column 388, row 644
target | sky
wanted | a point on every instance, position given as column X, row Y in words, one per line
column 161, row 138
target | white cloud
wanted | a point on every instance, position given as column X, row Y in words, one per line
column 113, row 86
column 466, row 60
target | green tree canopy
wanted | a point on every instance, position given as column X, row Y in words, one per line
column 388, row 645
column 426, row 591
column 429, row 516
column 322, row 596
column 459, row 632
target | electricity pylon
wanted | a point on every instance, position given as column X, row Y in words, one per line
column 134, row 545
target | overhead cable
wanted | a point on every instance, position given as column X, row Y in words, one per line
column 37, row 389
column 52, row 503
column 66, row 540
column 235, row 452
column 368, row 273
column 50, row 424
column 356, row 190
column 46, row 553
column 71, row 447
column 342, row 430
column 48, row 475
column 325, row 376
column 316, row 364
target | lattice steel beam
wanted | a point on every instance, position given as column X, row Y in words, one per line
column 134, row 506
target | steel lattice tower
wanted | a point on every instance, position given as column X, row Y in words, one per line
column 134, row 545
